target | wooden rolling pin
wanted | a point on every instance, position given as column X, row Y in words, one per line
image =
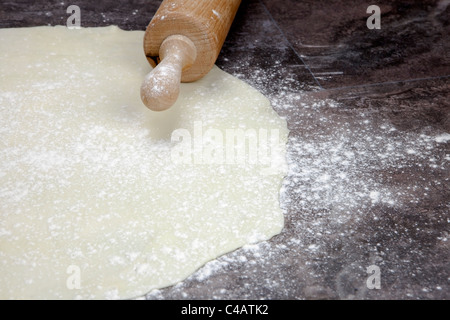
column 182, row 43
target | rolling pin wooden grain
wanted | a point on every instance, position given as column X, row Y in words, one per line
column 182, row 43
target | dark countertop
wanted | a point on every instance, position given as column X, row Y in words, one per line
column 369, row 115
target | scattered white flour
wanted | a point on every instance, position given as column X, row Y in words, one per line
column 338, row 167
column 337, row 171
column 442, row 138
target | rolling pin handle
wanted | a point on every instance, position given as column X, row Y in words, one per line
column 161, row 87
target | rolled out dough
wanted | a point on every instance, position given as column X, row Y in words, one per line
column 102, row 198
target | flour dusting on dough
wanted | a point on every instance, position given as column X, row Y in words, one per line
column 91, row 203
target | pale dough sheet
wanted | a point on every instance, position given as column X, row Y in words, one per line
column 93, row 203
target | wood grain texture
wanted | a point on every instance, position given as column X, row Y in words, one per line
column 204, row 22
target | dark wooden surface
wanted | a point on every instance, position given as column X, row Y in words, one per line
column 378, row 97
